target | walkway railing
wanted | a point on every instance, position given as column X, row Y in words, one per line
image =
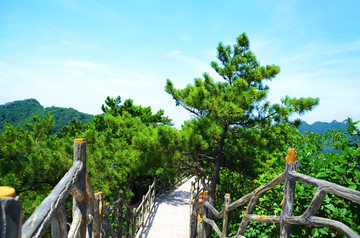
column 289, row 177
column 90, row 218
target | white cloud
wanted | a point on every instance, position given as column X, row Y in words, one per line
column 82, row 64
column 185, row 37
column 175, row 52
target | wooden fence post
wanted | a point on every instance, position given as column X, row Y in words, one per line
column 142, row 213
column 10, row 213
column 289, row 190
column 128, row 217
column 133, row 222
column 205, row 214
column 81, row 206
column 58, row 223
column 120, row 217
column 227, row 201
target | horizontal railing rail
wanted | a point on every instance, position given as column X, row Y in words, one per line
column 289, row 177
column 90, row 217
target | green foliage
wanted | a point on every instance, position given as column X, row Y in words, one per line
column 127, row 147
column 18, row 112
column 32, row 160
column 234, row 124
column 340, row 168
column 114, row 107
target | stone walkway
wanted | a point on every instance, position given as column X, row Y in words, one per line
column 170, row 218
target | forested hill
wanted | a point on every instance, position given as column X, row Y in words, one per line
column 322, row 127
column 17, row 112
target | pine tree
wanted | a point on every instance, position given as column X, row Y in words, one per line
column 234, row 122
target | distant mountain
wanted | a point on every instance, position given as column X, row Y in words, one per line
column 322, row 127
column 17, row 112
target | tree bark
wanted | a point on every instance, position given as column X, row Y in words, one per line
column 215, row 176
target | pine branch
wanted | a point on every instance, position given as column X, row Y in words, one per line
column 199, row 156
column 191, row 165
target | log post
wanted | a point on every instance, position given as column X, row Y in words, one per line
column 227, row 201
column 100, row 199
column 142, row 213
column 133, row 222
column 289, row 190
column 153, row 194
column 120, row 218
column 128, row 218
column 81, row 206
column 198, row 186
column 58, row 223
column 10, row 213
column 205, row 215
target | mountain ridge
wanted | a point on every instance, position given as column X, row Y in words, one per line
column 321, row 127
column 18, row 112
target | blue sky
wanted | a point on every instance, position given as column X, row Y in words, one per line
column 70, row 53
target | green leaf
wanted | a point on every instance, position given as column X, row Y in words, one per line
column 315, row 232
column 330, row 207
column 322, row 174
column 353, row 186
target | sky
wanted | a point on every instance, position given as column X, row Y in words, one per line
column 70, row 53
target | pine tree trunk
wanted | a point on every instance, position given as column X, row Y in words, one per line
column 215, row 177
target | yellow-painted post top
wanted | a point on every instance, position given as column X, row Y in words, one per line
column 79, row 140
column 291, row 156
column 99, row 194
column 262, row 217
column 6, row 191
column 227, row 195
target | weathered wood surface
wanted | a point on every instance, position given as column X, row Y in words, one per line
column 289, row 191
column 90, row 217
column 10, row 217
column 145, row 208
column 73, row 181
column 93, row 210
column 38, row 222
column 58, row 223
column 327, row 186
column 289, row 177
column 80, row 212
column 134, row 218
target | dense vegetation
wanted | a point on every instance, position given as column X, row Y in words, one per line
column 124, row 151
column 313, row 160
column 234, row 124
column 237, row 140
column 18, row 112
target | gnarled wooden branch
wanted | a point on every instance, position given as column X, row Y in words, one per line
column 327, row 187
column 258, row 192
column 323, row 222
column 36, row 225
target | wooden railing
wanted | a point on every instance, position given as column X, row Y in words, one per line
column 196, row 201
column 90, row 218
column 289, row 177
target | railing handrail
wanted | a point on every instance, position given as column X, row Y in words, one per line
column 38, row 222
column 41, row 217
column 289, row 177
column 88, row 219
